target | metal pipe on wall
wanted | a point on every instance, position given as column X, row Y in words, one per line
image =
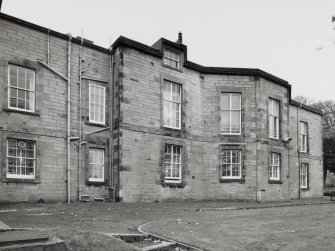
column 79, row 119
column 298, row 149
column 257, row 128
column 111, row 129
column 69, row 121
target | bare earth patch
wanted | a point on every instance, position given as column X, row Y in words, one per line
column 219, row 227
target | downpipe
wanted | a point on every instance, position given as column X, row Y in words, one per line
column 111, row 129
column 69, row 121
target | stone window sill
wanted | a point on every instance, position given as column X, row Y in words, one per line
column 96, row 183
column 275, row 182
column 95, row 124
column 18, row 180
column 171, row 184
column 232, row 180
column 9, row 110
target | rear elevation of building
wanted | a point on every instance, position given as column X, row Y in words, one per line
column 143, row 123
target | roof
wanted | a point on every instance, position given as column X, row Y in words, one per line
column 155, row 50
column 305, row 107
column 36, row 27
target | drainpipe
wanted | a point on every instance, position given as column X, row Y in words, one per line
column 69, row 121
column 111, row 141
column 288, row 173
column 298, row 148
column 79, row 120
column 257, row 128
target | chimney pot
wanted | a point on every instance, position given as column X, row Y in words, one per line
column 180, row 38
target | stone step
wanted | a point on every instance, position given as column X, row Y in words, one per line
column 28, row 240
column 20, row 236
column 49, row 245
column 164, row 245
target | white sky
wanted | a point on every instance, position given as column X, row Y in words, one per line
column 282, row 37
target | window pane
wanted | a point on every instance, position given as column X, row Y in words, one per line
column 235, row 170
column 176, row 93
column 11, row 152
column 21, row 83
column 13, row 102
column 30, row 154
column 21, row 94
column 225, row 121
column 30, row 81
column 13, row 92
column 235, row 122
column 236, row 101
column 167, row 157
column 275, row 127
column 21, row 104
column 236, row 156
column 12, row 143
column 225, row 101
column 21, row 72
column 13, row 70
column 271, row 126
column 166, row 113
column 175, row 170
column 167, row 170
column 225, row 170
column 167, row 90
column 13, row 81
column 31, row 101
column 275, row 108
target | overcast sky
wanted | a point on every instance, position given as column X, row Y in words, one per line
column 292, row 39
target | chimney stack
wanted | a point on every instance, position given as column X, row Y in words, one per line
column 180, row 38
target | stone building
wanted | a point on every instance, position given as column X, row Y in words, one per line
column 142, row 123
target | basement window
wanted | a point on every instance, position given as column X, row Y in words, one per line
column 96, row 104
column 274, row 168
column 21, row 88
column 231, row 163
column 172, row 164
column 96, row 165
column 304, row 175
column 21, row 158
